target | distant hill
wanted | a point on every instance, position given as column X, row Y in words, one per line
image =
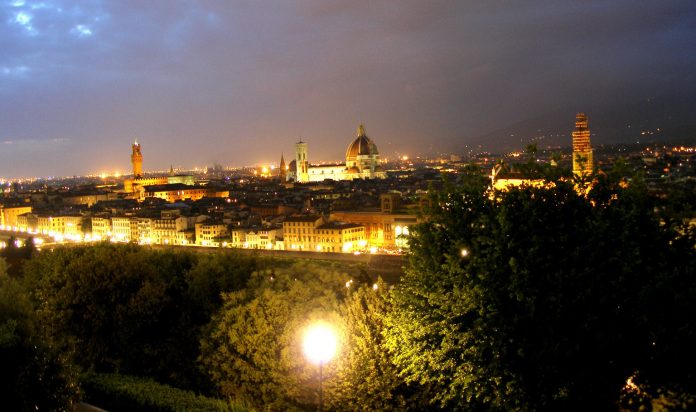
column 653, row 119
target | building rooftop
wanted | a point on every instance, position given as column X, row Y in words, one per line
column 303, row 218
column 339, row 225
column 168, row 187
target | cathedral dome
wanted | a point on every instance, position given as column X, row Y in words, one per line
column 361, row 146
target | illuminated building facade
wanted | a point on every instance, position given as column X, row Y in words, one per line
column 171, row 230
column 9, row 215
column 502, row 180
column 129, row 228
column 582, row 151
column 209, row 232
column 313, row 233
column 178, row 191
column 382, row 230
column 101, row 228
column 362, row 162
column 121, row 228
column 261, row 239
column 26, row 222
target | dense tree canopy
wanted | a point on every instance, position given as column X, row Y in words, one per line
column 254, row 347
column 33, row 376
column 366, row 377
column 543, row 298
column 122, row 308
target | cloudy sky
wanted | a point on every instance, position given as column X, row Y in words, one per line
column 239, row 81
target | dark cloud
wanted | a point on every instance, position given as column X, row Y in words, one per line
column 238, row 82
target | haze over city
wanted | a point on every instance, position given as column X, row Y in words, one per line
column 238, row 83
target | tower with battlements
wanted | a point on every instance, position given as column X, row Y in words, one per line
column 137, row 160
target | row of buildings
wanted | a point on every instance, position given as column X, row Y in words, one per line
column 224, row 224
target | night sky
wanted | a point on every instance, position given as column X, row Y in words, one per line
column 238, row 82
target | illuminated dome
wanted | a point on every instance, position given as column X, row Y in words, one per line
column 361, row 146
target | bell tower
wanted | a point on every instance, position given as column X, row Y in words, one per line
column 137, row 160
column 301, row 162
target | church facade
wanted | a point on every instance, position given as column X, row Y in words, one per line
column 362, row 162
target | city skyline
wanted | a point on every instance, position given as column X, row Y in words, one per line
column 239, row 84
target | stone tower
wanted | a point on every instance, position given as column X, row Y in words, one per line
column 301, row 162
column 582, row 151
column 137, row 160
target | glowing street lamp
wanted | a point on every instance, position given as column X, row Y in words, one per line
column 319, row 346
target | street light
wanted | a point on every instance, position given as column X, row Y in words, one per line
column 320, row 347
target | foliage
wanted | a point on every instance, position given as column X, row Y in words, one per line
column 366, row 378
column 33, row 376
column 252, row 350
column 129, row 393
column 542, row 298
column 16, row 256
column 123, row 308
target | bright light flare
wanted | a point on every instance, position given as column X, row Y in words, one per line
column 320, row 343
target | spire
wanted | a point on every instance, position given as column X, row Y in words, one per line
column 135, row 143
column 282, row 173
column 361, row 130
column 171, row 170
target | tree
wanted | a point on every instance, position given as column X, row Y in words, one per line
column 542, row 298
column 16, row 256
column 33, row 375
column 127, row 309
column 252, row 350
column 366, row 377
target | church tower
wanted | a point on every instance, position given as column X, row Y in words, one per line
column 282, row 174
column 582, row 151
column 137, row 160
column 301, row 162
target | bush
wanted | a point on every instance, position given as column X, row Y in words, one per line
column 128, row 393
